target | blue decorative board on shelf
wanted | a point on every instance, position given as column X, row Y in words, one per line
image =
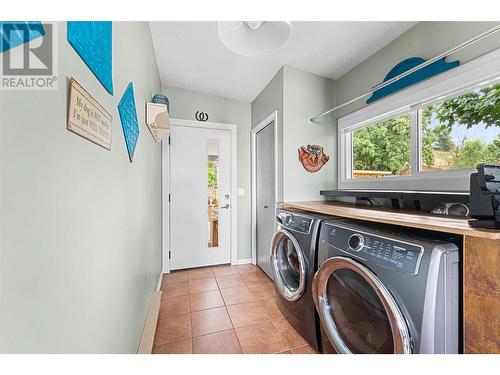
column 428, row 71
column 15, row 33
column 92, row 40
column 128, row 118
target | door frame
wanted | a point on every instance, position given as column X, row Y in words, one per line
column 273, row 117
column 166, row 222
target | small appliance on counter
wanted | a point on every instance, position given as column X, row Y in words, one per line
column 485, row 197
column 452, row 209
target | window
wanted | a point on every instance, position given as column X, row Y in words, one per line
column 427, row 137
column 463, row 131
column 382, row 149
column 213, row 193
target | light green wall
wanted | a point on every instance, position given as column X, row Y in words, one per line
column 184, row 104
column 306, row 94
column 296, row 96
column 80, row 240
column 269, row 100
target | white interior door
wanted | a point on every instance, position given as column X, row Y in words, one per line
column 200, row 201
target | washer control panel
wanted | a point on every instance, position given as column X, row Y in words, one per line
column 297, row 223
column 388, row 252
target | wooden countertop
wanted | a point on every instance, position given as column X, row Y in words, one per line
column 396, row 217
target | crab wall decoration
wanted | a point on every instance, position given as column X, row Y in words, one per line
column 312, row 157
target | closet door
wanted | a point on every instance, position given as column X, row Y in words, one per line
column 265, row 196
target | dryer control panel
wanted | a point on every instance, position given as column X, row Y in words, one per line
column 388, row 252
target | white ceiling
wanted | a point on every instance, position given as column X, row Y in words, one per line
column 191, row 56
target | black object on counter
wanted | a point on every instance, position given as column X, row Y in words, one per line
column 485, row 197
column 396, row 196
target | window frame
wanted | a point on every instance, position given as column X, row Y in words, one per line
column 481, row 71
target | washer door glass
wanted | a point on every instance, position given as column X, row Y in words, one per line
column 357, row 312
column 289, row 265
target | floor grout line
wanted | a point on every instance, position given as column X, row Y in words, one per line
column 234, row 330
column 279, row 333
column 239, row 343
column 286, row 350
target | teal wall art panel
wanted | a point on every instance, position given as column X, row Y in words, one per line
column 128, row 118
column 92, row 41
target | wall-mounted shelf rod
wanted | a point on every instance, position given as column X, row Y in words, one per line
column 457, row 48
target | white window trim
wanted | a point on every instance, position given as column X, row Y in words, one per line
column 483, row 69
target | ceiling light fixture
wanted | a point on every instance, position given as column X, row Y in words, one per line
column 253, row 38
column 253, row 25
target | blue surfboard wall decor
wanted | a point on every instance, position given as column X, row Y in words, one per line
column 128, row 118
column 92, row 41
column 428, row 71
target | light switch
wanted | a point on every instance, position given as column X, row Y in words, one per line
column 241, row 192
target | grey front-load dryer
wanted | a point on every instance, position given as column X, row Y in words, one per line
column 383, row 289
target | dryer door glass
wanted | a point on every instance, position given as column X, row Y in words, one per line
column 357, row 312
column 288, row 265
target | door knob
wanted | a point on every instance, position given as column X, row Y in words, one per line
column 225, row 207
column 266, row 206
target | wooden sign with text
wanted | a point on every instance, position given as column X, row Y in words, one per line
column 87, row 118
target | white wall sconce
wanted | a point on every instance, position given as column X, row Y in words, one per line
column 157, row 120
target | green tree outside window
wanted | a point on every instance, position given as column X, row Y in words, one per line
column 386, row 146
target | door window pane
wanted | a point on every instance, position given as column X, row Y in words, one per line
column 382, row 149
column 213, row 195
column 461, row 132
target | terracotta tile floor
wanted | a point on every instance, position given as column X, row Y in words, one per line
column 223, row 310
